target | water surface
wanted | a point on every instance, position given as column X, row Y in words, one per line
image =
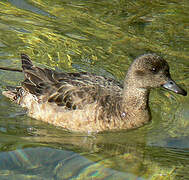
column 101, row 37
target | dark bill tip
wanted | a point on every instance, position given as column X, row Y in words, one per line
column 172, row 86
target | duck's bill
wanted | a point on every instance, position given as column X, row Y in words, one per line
column 172, row 86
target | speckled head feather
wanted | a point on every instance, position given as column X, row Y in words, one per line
column 148, row 71
column 85, row 102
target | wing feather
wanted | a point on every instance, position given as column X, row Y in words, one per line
column 71, row 90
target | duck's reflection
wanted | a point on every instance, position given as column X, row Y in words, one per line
column 69, row 155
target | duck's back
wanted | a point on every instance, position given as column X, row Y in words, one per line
column 70, row 90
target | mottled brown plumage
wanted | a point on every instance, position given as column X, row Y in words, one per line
column 85, row 102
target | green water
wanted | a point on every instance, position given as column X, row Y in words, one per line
column 103, row 37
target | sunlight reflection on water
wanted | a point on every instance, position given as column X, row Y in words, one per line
column 102, row 37
column 54, row 164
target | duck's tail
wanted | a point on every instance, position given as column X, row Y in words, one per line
column 11, row 92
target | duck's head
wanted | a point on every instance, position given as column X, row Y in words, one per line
column 150, row 71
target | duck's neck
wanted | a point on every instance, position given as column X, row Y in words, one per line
column 135, row 97
column 135, row 104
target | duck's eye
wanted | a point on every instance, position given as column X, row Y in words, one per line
column 154, row 70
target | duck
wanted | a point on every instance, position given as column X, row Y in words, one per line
column 86, row 102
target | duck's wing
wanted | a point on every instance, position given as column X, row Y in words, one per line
column 72, row 90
